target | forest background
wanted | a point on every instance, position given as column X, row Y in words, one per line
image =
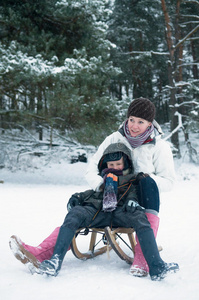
column 69, row 69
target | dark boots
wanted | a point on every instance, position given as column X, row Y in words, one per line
column 158, row 269
column 53, row 265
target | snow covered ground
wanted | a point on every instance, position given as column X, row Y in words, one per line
column 33, row 204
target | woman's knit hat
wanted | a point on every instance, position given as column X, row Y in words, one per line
column 142, row 108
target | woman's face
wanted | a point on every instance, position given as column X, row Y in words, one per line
column 137, row 126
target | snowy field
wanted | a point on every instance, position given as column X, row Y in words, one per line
column 33, row 204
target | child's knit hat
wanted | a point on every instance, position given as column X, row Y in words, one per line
column 142, row 108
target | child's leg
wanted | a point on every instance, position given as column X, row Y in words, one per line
column 158, row 269
column 79, row 216
column 138, row 220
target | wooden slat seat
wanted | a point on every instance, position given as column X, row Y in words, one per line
column 110, row 238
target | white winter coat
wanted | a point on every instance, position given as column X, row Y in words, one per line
column 154, row 158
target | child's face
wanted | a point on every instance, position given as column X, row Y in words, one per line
column 117, row 164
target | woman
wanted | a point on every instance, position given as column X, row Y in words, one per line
column 153, row 163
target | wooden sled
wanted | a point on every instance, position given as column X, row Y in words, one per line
column 105, row 239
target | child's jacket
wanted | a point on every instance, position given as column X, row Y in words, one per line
column 126, row 183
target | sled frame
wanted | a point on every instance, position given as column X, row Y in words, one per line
column 110, row 238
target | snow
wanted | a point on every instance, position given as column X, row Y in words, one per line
column 34, row 203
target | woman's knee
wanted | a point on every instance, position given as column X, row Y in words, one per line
column 148, row 194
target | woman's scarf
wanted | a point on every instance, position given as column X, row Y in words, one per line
column 138, row 140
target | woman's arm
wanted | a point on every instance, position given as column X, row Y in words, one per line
column 164, row 172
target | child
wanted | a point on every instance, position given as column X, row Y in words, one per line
column 115, row 205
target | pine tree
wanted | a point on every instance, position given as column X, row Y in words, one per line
column 57, row 57
column 135, row 28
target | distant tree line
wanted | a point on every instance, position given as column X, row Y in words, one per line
column 76, row 65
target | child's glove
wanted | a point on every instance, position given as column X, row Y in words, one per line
column 131, row 206
column 72, row 202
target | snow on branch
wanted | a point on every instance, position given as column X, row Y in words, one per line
column 187, row 36
column 186, row 103
column 177, row 128
column 187, row 64
column 192, row 1
column 190, row 16
column 149, row 53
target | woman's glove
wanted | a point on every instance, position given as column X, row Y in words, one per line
column 140, row 176
column 131, row 206
column 73, row 201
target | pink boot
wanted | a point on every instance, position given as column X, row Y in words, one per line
column 34, row 255
column 140, row 267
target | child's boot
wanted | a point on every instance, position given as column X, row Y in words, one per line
column 53, row 265
column 158, row 269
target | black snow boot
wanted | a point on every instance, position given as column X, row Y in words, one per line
column 158, row 269
column 53, row 265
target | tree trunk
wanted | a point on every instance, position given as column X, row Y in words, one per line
column 195, row 67
column 173, row 101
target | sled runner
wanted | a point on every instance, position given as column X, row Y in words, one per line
column 121, row 240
